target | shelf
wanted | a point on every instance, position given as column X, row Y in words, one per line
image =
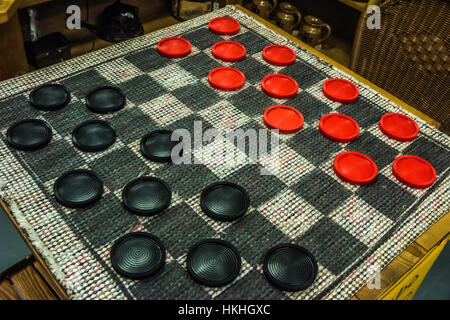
column 360, row 6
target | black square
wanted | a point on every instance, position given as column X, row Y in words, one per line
column 322, row 191
column 186, row 179
column 332, row 246
column 304, row 74
column 131, row 124
column 202, row 38
column 199, row 64
column 16, row 109
column 261, row 188
column 118, row 167
column 251, row 101
column 311, row 108
column 438, row 156
column 197, row 96
column 82, row 83
column 253, row 234
column 142, row 89
column 66, row 119
column 387, row 197
column 313, row 146
column 260, row 289
column 365, row 112
column 376, row 149
column 253, row 70
column 171, row 282
column 253, row 42
column 104, row 221
column 147, row 60
column 52, row 161
column 179, row 228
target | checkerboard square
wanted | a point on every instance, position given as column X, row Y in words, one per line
column 52, row 161
column 147, row 60
column 199, row 64
column 304, row 74
column 141, row 89
column 131, row 124
column 332, row 246
column 376, row 149
column 66, row 119
column 322, row 191
column 311, row 108
column 365, row 112
column 312, row 145
column 260, row 187
column 127, row 166
column 252, row 41
column 262, row 238
column 179, row 228
column 173, row 77
column 253, row 70
column 104, row 221
column 251, row 101
column 165, row 109
column 430, row 151
column 172, row 282
column 260, row 289
column 291, row 214
column 355, row 215
column 224, row 116
column 221, row 157
column 197, row 96
column 188, row 181
column 202, row 38
column 82, row 83
column 118, row 70
column 16, row 109
column 387, row 197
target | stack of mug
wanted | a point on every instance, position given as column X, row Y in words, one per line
column 310, row 29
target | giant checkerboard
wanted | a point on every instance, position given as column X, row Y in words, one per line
column 352, row 231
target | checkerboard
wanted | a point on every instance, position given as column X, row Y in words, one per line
column 352, row 231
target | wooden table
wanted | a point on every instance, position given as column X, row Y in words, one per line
column 34, row 280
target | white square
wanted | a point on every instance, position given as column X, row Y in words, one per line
column 165, row 109
column 224, row 116
column 361, row 220
column 291, row 214
column 118, row 70
column 173, row 77
column 286, row 164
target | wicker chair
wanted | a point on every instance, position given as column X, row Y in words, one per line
column 409, row 55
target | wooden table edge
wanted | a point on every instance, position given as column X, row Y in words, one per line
column 55, row 285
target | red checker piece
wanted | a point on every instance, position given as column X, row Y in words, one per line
column 226, row 78
column 355, row 168
column 279, row 55
column 286, row 119
column 174, row 47
column 279, row 86
column 340, row 90
column 414, row 171
column 224, row 26
column 399, row 127
column 339, row 127
column 229, row 51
